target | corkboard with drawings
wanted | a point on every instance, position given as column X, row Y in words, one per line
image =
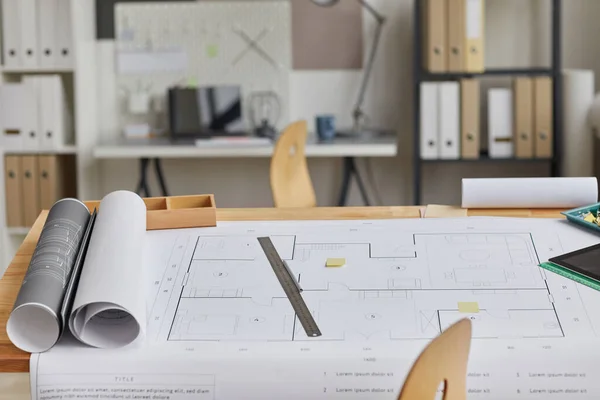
column 253, row 44
column 242, row 43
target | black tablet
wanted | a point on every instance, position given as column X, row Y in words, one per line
column 585, row 262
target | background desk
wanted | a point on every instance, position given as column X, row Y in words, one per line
column 147, row 150
column 14, row 364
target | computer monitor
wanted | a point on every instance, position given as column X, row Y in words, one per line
column 206, row 111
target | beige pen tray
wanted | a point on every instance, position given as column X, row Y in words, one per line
column 176, row 211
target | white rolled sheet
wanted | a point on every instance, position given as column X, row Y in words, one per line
column 529, row 192
column 109, row 309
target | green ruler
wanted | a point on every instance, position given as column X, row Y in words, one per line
column 569, row 274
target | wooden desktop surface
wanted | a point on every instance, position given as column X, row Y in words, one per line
column 15, row 360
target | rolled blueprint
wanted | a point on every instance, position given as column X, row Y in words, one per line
column 35, row 324
column 529, row 192
column 109, row 309
column 578, row 90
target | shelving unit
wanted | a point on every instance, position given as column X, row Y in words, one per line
column 484, row 158
column 40, row 70
column 429, row 76
column 81, row 79
column 66, row 149
column 422, row 75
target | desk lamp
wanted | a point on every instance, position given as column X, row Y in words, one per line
column 358, row 113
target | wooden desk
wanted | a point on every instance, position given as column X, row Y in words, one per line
column 14, row 363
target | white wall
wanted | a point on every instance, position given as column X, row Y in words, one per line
column 517, row 35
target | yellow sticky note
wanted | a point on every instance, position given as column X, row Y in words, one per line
column 335, row 262
column 468, row 307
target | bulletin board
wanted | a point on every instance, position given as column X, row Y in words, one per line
column 205, row 44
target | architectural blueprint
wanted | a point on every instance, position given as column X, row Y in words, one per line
column 401, row 281
column 220, row 326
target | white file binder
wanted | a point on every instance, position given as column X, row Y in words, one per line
column 55, row 127
column 28, row 24
column 11, row 33
column 449, row 120
column 15, row 111
column 429, row 120
column 64, row 36
column 47, row 11
column 31, row 123
column 500, row 123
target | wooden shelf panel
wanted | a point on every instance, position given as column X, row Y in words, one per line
column 487, row 73
column 66, row 149
column 38, row 70
column 486, row 159
column 18, row 230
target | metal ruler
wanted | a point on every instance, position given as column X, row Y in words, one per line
column 290, row 286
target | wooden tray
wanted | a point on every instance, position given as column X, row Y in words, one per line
column 176, row 211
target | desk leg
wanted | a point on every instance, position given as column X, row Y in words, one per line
column 349, row 170
column 160, row 176
column 361, row 186
column 142, row 188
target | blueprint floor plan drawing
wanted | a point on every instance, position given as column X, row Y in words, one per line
column 403, row 280
column 220, row 325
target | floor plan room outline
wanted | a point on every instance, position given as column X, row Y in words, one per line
column 408, row 292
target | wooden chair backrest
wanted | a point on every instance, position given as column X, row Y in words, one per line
column 290, row 180
column 443, row 360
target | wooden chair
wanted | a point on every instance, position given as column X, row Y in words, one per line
column 443, row 360
column 290, row 180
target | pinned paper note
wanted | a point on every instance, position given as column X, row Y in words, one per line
column 147, row 62
column 212, row 50
column 192, row 82
column 335, row 262
column 468, row 307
